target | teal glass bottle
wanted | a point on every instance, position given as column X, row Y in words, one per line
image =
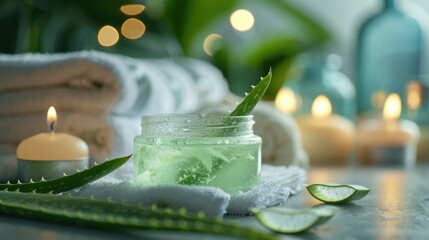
column 389, row 54
column 320, row 75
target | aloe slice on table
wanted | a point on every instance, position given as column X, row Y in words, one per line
column 337, row 193
column 68, row 182
column 252, row 98
column 105, row 214
column 287, row 220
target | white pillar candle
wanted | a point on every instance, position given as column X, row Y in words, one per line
column 328, row 138
column 388, row 141
column 50, row 154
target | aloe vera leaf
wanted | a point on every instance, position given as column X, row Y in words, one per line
column 252, row 98
column 337, row 193
column 105, row 214
column 287, row 220
column 68, row 182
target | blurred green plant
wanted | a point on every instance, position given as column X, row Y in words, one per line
column 173, row 28
column 71, row 25
column 280, row 33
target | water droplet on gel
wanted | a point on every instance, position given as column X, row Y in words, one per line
column 188, row 121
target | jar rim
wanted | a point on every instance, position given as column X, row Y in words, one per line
column 197, row 125
column 178, row 116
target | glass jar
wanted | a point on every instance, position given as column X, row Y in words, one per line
column 212, row 150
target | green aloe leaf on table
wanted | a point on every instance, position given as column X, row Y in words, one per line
column 337, row 193
column 68, row 182
column 105, row 214
column 288, row 220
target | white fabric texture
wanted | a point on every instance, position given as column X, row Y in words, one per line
column 281, row 138
column 99, row 97
column 90, row 81
column 276, row 185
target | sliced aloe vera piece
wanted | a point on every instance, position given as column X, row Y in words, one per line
column 287, row 220
column 252, row 98
column 68, row 182
column 337, row 193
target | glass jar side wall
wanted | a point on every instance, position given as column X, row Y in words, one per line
column 230, row 163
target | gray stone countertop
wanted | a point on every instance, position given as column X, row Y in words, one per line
column 396, row 208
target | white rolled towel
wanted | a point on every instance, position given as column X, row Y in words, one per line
column 281, row 139
column 90, row 81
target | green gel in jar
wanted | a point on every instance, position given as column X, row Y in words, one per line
column 212, row 150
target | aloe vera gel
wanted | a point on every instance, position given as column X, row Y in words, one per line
column 217, row 151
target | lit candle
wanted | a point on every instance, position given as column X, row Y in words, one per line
column 50, row 154
column 389, row 141
column 328, row 138
column 286, row 100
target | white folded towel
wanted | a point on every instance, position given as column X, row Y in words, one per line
column 33, row 82
column 276, row 184
column 90, row 81
column 212, row 201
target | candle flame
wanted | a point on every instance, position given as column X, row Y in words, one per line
column 51, row 118
column 392, row 107
column 286, row 100
column 321, row 106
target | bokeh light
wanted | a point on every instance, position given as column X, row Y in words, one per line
column 108, row 36
column 242, row 20
column 321, row 106
column 414, row 95
column 210, row 43
column 392, row 108
column 133, row 28
column 378, row 99
column 132, row 9
column 286, row 100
